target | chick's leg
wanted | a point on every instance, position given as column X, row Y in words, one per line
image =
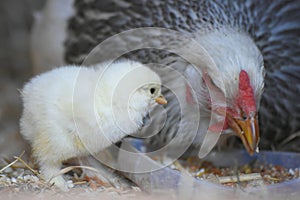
column 50, row 171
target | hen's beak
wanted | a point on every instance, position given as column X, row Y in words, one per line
column 161, row 100
column 247, row 129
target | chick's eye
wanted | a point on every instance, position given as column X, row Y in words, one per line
column 244, row 117
column 152, row 90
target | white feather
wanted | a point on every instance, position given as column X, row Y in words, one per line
column 233, row 51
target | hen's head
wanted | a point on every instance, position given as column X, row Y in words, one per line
column 240, row 112
column 233, row 88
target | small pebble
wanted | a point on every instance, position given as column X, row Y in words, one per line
column 13, row 180
column 292, row 172
column 70, row 184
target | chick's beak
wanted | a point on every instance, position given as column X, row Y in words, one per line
column 247, row 129
column 161, row 100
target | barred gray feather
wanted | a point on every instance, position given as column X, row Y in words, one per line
column 273, row 25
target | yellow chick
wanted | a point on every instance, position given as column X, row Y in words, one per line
column 75, row 111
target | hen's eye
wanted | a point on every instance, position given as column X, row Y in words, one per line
column 152, row 90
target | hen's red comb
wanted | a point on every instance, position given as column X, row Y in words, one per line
column 246, row 98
